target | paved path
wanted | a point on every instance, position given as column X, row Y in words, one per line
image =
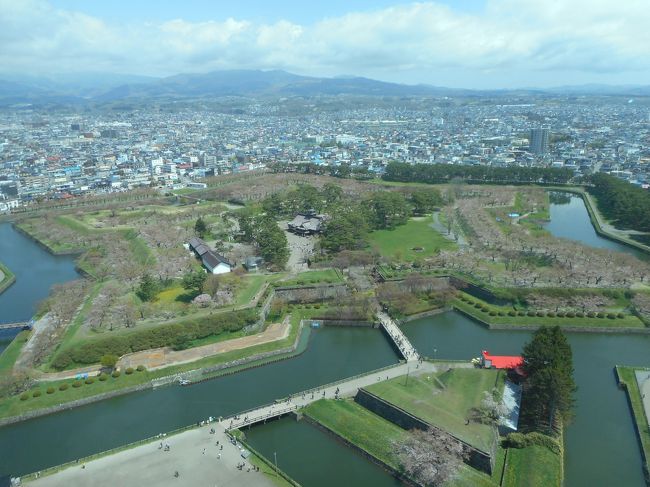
column 395, row 332
column 194, row 454
column 346, row 388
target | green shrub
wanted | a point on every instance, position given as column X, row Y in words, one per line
column 551, row 314
column 531, row 313
column 521, row 440
column 591, row 314
column 580, row 314
column 521, row 313
column 570, row 314
column 561, row 314
column 317, row 306
column 611, row 316
column 541, row 314
column 50, row 390
column 115, row 374
column 140, row 368
column 478, row 305
column 512, row 313
column 620, row 315
column 36, row 393
column 24, row 396
column 102, row 377
column 300, row 282
column 128, row 371
column 493, row 313
column 90, row 380
column 77, row 384
column 64, row 386
column 601, row 314
column 501, row 313
column 485, row 309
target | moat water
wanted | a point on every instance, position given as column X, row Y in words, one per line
column 601, row 446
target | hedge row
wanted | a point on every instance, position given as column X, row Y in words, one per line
column 78, row 383
column 540, row 314
column 177, row 335
column 522, row 440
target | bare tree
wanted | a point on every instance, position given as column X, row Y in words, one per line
column 430, row 457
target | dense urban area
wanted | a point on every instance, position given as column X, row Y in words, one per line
column 59, row 153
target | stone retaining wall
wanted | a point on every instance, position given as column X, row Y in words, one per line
column 405, row 480
column 477, row 459
column 308, row 294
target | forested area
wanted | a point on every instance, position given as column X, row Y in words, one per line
column 444, row 173
column 622, row 203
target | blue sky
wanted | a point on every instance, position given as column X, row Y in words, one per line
column 463, row 43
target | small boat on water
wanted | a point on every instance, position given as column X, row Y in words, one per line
column 183, row 382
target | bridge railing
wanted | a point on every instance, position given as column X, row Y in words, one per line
column 314, row 389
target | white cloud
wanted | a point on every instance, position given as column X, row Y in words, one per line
column 525, row 36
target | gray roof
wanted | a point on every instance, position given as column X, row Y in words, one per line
column 211, row 259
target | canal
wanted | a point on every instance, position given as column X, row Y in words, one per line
column 570, row 219
column 36, row 272
column 333, row 353
column 601, row 446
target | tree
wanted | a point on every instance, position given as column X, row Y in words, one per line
column 273, row 244
column 200, row 227
column 193, row 280
column 147, row 289
column 387, row 210
column 211, row 284
column 425, row 200
column 346, row 230
column 430, row 457
column 109, row 361
column 549, row 387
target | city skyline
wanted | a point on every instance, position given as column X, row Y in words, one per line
column 472, row 44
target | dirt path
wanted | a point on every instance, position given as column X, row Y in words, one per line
column 42, row 330
column 163, row 357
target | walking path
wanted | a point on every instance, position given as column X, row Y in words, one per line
column 203, row 458
column 164, row 357
column 194, row 454
column 345, row 388
column 395, row 332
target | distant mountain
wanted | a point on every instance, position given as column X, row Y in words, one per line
column 102, row 87
column 261, row 83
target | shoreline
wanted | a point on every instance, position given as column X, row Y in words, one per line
column 7, row 278
column 208, row 373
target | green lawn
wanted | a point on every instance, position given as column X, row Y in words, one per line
column 324, row 276
column 448, row 407
column 12, row 406
column 398, row 244
column 628, row 321
column 375, row 435
column 356, row 424
column 8, row 277
column 10, row 354
column 627, row 377
column 533, row 466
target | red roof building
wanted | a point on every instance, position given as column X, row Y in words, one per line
column 501, row 361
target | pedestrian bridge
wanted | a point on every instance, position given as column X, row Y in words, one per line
column 21, row 324
column 343, row 388
column 395, row 333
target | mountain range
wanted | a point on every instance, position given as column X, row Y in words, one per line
column 101, row 87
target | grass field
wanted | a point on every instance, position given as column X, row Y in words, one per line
column 445, row 400
column 627, row 377
column 6, row 277
column 356, row 424
column 628, row 321
column 325, row 276
column 12, row 406
column 10, row 354
column 375, row 435
column 533, row 466
column 398, row 244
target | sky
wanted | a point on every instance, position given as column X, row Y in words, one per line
column 454, row 43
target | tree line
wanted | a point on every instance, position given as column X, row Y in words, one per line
column 444, row 173
column 623, row 203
